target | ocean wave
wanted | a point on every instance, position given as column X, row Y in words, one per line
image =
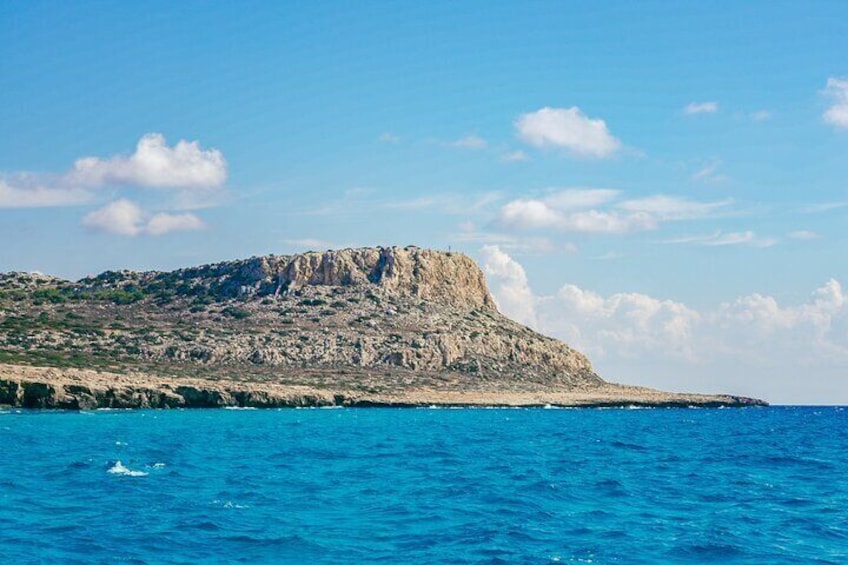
column 119, row 469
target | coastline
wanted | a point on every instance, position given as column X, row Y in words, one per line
column 26, row 386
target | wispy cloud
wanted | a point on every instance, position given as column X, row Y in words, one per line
column 673, row 208
column 569, row 129
column 709, row 173
column 700, row 108
column 28, row 191
column 720, row 239
column 837, row 114
column 518, row 244
column 824, row 207
column 450, row 203
column 803, row 235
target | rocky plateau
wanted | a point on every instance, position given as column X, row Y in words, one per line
column 355, row 327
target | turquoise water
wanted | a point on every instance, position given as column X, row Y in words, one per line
column 755, row 485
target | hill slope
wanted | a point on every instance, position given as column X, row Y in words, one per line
column 355, row 326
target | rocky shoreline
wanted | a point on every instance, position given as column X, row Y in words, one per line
column 81, row 389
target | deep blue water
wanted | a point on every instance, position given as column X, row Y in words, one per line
column 756, row 485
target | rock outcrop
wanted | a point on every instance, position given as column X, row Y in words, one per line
column 448, row 278
column 372, row 323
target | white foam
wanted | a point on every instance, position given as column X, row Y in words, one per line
column 119, row 469
column 240, row 408
column 158, row 465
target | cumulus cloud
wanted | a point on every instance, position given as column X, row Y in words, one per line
column 569, row 129
column 837, row 114
column 753, row 344
column 509, row 285
column 154, row 164
column 125, row 217
column 26, row 191
column 121, row 217
column 162, row 223
column 700, row 108
column 197, row 175
column 595, row 211
column 630, row 323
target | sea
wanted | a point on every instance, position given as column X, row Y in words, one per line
column 383, row 485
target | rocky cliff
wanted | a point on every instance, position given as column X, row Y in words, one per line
column 354, row 323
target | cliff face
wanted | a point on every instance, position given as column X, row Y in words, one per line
column 448, row 278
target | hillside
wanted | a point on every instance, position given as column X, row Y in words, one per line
column 355, row 326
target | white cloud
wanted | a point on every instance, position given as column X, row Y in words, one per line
column 669, row 208
column 154, row 164
column 733, row 238
column 720, row 239
column 529, row 214
column 124, row 217
column 751, row 345
column 121, row 217
column 628, row 323
column 837, row 114
column 470, row 142
column 509, row 285
column 578, row 198
column 761, row 115
column 804, row 235
column 579, row 210
column 163, row 223
column 195, row 173
column 701, row 108
column 26, row 191
column 538, row 214
column 569, row 129
column 709, row 173
column 824, row 207
column 447, row 203
column 521, row 245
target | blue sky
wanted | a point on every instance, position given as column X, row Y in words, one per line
column 683, row 166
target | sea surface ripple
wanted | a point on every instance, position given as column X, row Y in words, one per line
column 755, row 485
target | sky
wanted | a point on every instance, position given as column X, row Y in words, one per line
column 662, row 185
